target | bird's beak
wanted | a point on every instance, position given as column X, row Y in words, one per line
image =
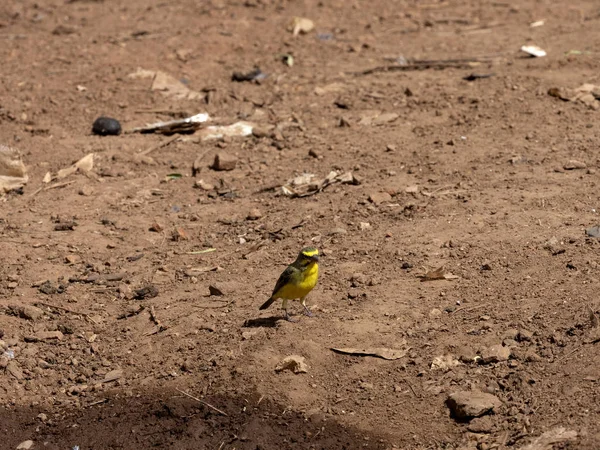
column 315, row 258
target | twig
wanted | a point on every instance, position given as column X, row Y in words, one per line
column 464, row 308
column 203, row 402
column 200, row 252
column 425, row 65
column 157, row 146
column 154, row 319
column 60, row 308
column 54, row 186
column 411, row 388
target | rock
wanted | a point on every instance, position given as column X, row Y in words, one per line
column 494, row 354
column 45, row 336
column 30, row 312
column 367, row 386
column 510, row 343
column 470, row 404
column 247, row 335
column 13, row 368
column 106, row 126
column 262, row 131
column 113, row 375
column 379, row 197
column 25, row 445
column 531, row 356
column 435, row 313
column 384, row 118
column 593, row 232
column 216, row 289
column 466, row 354
column 86, row 191
column 201, row 184
column 365, row 226
column 547, row 440
column 524, row 335
column 511, row 333
column 294, row 363
column 445, row 362
column 149, row 291
column 481, row 425
column 574, row 164
column 224, row 161
column 254, row 214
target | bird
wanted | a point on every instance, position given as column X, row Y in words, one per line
column 296, row 281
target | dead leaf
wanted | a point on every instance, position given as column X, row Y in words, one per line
column 167, row 84
column 84, row 165
column 238, row 129
column 438, row 274
column 380, row 352
column 13, row 174
column 47, row 178
column 295, row 363
column 301, row 25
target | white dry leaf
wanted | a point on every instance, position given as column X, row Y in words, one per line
column 238, row 129
column 301, row 25
column 84, row 165
column 47, row 178
column 13, row 173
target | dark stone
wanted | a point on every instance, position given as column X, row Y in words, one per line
column 106, row 126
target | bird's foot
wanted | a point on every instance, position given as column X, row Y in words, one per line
column 308, row 312
column 290, row 318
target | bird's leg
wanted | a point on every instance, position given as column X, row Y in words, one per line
column 287, row 314
column 307, row 311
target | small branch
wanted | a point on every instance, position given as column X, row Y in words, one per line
column 203, row 402
column 157, row 146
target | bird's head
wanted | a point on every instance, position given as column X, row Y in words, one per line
column 307, row 256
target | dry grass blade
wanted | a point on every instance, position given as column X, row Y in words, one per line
column 214, row 408
column 438, row 274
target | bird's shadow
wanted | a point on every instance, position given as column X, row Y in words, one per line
column 260, row 322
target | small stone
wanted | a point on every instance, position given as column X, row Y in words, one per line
column 262, row 131
column 384, row 118
column 524, row 335
column 224, row 161
column 365, row 226
column 379, row 197
column 494, row 354
column 113, row 375
column 511, row 333
column 574, row 164
column 414, row 189
column 86, row 191
column 435, row 313
column 201, row 184
column 43, row 417
column 593, row 232
column 445, row 362
column 531, row 356
column 215, row 289
column 366, row 386
column 254, row 214
column 294, row 363
column 466, row 354
column 390, row 148
column 47, row 336
column 106, row 126
column 510, row 343
column 25, row 445
column 30, row 312
column 470, row 404
column 247, row 335
column 13, row 368
column 481, row 425
column 312, row 152
column 149, row 291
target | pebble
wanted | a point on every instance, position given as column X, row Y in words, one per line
column 224, row 161
column 470, row 404
column 295, row 363
column 379, row 197
column 254, row 214
column 435, row 313
column 30, row 312
column 494, row 354
column 201, row 184
column 25, row 445
column 45, row 336
column 13, row 368
column 365, row 226
column 593, row 232
column 106, row 126
column 86, row 191
column 574, row 164
column 481, row 425
column 524, row 335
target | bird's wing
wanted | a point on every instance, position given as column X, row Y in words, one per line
column 284, row 279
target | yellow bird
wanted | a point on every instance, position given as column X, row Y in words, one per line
column 297, row 281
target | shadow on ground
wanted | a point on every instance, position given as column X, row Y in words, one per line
column 173, row 421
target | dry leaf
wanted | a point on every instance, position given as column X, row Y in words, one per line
column 167, row 84
column 84, row 165
column 47, row 178
column 380, row 352
column 301, row 25
column 13, row 174
column 238, row 129
column 438, row 274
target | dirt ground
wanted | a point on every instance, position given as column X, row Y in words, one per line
column 493, row 179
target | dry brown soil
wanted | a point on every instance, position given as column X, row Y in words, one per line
column 469, row 175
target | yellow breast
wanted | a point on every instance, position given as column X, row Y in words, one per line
column 305, row 281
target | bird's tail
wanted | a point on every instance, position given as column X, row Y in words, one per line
column 268, row 303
